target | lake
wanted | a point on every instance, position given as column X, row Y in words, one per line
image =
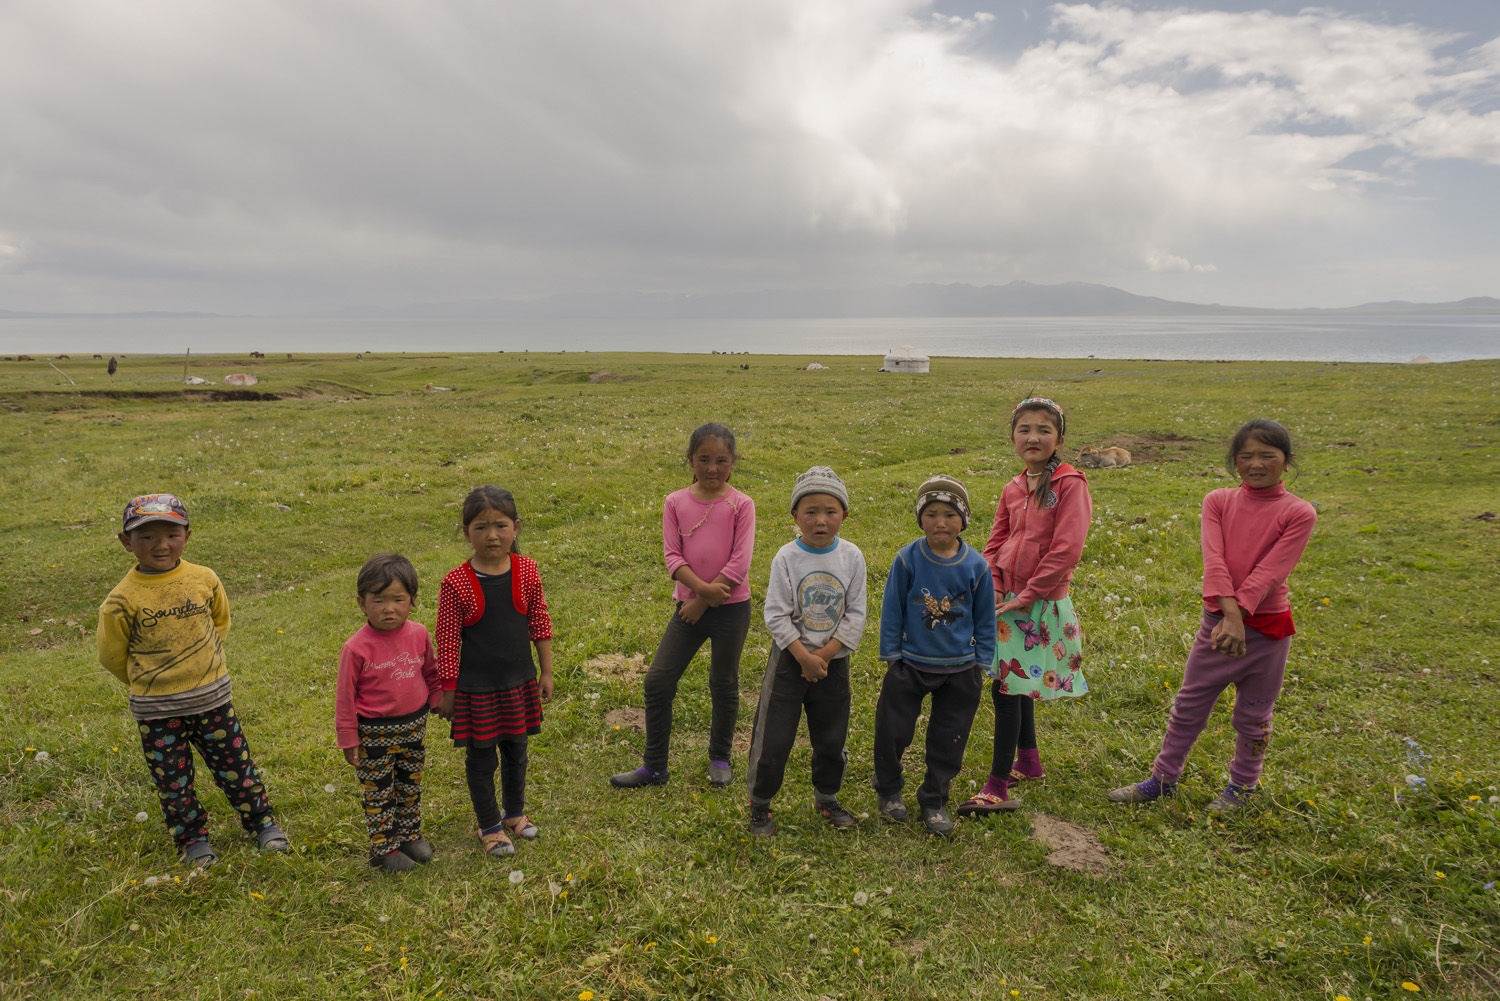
column 1271, row 337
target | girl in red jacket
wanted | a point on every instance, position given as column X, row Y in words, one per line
column 1253, row 535
column 490, row 612
column 1040, row 527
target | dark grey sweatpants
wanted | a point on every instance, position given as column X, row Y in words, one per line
column 724, row 628
column 784, row 694
column 955, row 700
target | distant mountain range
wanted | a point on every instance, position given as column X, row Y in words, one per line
column 1017, row 298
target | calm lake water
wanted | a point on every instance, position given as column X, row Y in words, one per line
column 1294, row 338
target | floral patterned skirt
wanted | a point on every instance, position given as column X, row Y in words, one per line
column 1039, row 651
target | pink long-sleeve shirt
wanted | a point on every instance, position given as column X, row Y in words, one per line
column 383, row 673
column 710, row 538
column 1252, row 538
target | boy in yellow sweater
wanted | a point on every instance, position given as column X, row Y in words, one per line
column 161, row 631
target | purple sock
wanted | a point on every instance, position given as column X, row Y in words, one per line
column 717, row 763
column 1029, row 761
column 1152, row 787
column 647, row 773
column 996, row 787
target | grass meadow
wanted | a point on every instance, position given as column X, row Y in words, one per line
column 1345, row 877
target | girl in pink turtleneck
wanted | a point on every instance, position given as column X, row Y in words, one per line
column 1253, row 535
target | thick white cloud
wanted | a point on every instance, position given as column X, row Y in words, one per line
column 285, row 155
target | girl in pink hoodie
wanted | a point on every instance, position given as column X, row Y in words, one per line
column 1253, row 535
column 1041, row 524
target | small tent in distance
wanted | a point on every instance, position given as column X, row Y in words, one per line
column 905, row 359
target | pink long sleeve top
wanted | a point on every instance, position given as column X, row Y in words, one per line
column 383, row 673
column 710, row 538
column 1252, row 538
column 1033, row 551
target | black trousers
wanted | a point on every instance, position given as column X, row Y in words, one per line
column 1015, row 726
column 724, row 628
column 784, row 695
column 955, row 700
column 479, row 769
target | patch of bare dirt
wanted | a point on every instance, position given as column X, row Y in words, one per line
column 616, row 665
column 627, row 718
column 1148, row 447
column 1073, row 847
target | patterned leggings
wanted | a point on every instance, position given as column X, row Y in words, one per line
column 391, row 756
column 169, row 744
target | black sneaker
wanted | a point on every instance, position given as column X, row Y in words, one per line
column 893, row 808
column 937, row 820
column 637, row 777
column 761, row 824
column 419, row 850
column 394, row 861
column 833, row 811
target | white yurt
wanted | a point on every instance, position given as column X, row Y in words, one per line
column 905, row 359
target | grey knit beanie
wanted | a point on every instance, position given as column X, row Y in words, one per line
column 819, row 480
column 945, row 489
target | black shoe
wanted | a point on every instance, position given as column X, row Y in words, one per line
column 418, row 851
column 833, row 811
column 761, row 824
column 720, row 775
column 394, row 862
column 937, row 820
column 893, row 808
column 635, row 778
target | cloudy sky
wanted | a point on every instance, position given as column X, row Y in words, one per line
column 272, row 156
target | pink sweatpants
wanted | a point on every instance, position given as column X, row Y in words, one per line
column 1256, row 676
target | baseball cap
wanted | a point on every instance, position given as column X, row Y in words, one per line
column 154, row 507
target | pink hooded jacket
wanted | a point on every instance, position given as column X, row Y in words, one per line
column 1033, row 550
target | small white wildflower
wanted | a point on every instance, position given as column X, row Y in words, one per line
column 1135, row 629
column 516, row 876
column 1396, row 921
column 1426, row 670
column 384, row 918
column 1495, row 799
column 889, row 890
column 554, row 888
column 141, row 817
column 1148, row 559
column 861, row 898
column 330, row 787
column 151, row 880
column 42, row 756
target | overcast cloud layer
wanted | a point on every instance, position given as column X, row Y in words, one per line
column 283, row 156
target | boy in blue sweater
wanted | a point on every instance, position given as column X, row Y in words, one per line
column 937, row 627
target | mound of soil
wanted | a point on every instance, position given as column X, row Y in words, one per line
column 616, row 665
column 627, row 718
column 1073, row 847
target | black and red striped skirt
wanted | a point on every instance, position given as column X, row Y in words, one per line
column 483, row 719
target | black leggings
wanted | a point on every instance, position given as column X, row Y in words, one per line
column 1015, row 727
column 479, row 769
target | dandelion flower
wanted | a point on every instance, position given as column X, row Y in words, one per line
column 1016, row 994
column 367, row 948
column 257, row 896
column 516, row 876
column 861, row 898
column 1440, row 875
column 141, row 817
column 1407, row 985
column 712, row 939
column 648, row 946
column 554, row 888
column 585, row 996
column 330, row 787
column 42, row 756
column 384, row 918
column 1473, row 799
column 151, row 880
column 856, row 950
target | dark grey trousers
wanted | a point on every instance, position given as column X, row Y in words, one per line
column 784, row 694
column 724, row 629
column 955, row 700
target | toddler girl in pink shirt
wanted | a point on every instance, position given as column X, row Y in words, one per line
column 388, row 679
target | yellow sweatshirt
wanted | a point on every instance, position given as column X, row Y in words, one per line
column 163, row 634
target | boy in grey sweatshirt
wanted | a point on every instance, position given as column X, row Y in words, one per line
column 815, row 610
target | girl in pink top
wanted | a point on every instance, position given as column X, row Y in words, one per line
column 388, row 679
column 708, row 535
column 1040, row 527
column 1253, row 535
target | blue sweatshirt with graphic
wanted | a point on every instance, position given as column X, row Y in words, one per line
column 938, row 612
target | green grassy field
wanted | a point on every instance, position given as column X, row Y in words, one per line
column 1342, row 879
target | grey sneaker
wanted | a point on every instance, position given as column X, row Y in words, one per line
column 893, row 808
column 761, row 824
column 833, row 811
column 720, row 774
column 1231, row 799
column 419, row 850
column 1144, row 792
column 937, row 820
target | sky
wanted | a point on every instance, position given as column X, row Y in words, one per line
column 285, row 156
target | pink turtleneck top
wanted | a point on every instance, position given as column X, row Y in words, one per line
column 1252, row 538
